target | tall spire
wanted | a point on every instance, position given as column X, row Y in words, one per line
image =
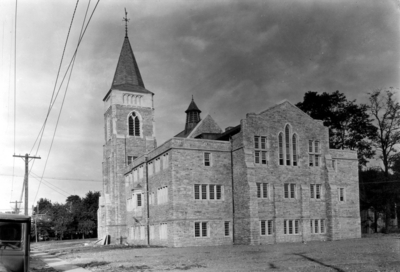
column 127, row 75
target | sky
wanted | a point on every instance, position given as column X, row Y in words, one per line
column 234, row 57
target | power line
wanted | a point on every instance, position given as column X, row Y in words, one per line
column 41, row 132
column 66, row 90
column 52, row 184
column 58, row 178
column 15, row 86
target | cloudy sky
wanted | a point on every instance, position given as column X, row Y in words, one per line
column 234, row 57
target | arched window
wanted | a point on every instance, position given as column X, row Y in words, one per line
column 280, row 148
column 287, row 144
column 133, row 124
column 108, row 128
column 294, row 147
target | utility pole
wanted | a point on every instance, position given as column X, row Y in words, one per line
column 16, row 210
column 27, row 157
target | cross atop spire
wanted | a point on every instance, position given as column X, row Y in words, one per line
column 126, row 22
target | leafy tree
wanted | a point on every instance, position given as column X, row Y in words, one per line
column 349, row 124
column 61, row 219
column 43, row 206
column 386, row 112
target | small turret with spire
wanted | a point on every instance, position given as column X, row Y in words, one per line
column 192, row 116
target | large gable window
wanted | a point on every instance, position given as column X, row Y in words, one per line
column 133, row 124
column 288, row 147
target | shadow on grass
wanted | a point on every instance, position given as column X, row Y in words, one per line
column 319, row 262
column 273, row 266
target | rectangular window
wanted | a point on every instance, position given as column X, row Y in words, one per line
column 316, row 163
column 196, row 191
column 262, row 190
column 341, row 194
column 316, row 146
column 208, row 191
column 290, row 190
column 291, row 227
column 263, row 229
column 263, row 142
column 270, row 227
column 131, row 159
column 212, row 191
column 219, row 191
column 257, row 142
column 207, row 159
column 260, row 156
column 257, row 156
column 263, row 157
column 226, row 228
column 317, row 226
column 203, row 191
column 266, row 227
column 315, row 150
column 200, row 229
column 316, row 191
column 139, row 200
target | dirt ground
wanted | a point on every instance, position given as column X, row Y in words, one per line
column 374, row 253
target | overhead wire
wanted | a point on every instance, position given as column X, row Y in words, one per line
column 61, row 178
column 81, row 35
column 50, row 184
column 40, row 135
column 15, row 88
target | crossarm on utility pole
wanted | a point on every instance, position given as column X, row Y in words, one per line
column 26, row 157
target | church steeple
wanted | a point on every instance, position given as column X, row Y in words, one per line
column 192, row 116
column 127, row 75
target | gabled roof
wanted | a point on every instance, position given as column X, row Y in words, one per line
column 285, row 101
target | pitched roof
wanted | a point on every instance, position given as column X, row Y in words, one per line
column 193, row 107
column 127, row 73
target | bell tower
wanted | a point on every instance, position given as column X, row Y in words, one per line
column 128, row 133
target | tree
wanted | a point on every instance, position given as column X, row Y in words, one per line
column 88, row 219
column 61, row 219
column 349, row 124
column 386, row 112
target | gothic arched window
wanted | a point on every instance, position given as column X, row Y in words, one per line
column 133, row 124
column 280, row 148
column 294, row 147
column 287, row 144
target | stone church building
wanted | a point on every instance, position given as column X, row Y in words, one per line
column 270, row 179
